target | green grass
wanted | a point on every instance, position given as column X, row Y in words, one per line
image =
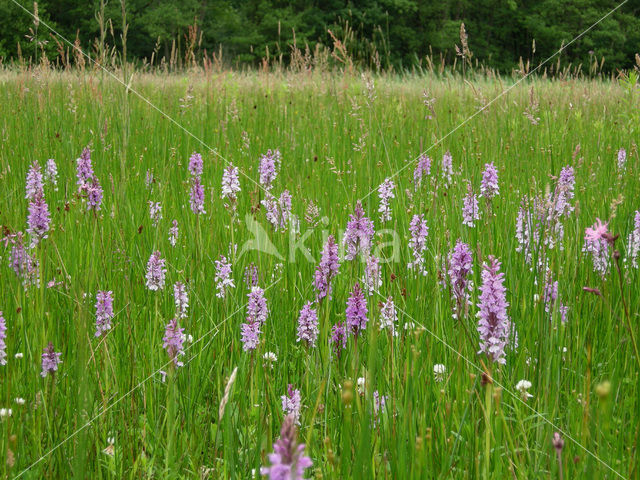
column 429, row 430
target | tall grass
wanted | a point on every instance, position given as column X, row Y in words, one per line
column 339, row 140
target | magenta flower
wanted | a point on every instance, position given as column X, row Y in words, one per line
column 597, row 245
column 34, row 186
column 104, row 311
column 470, row 209
column 278, row 211
column 327, row 269
column 388, row 316
column 181, row 300
column 268, row 169
column 291, row 403
column 155, row 212
column 3, row 338
column 489, row 187
column 50, row 361
column 460, row 271
column 622, row 159
column 423, row 168
column 372, row 280
column 288, row 461
column 196, row 198
column 493, row 325
column 338, row 338
column 308, row 325
column 224, row 280
column 51, row 173
column 94, row 194
column 195, row 164
column 39, row 219
column 564, row 191
column 174, row 233
column 173, row 341
column 447, row 168
column 418, row 243
column 550, row 292
column 257, row 312
column 634, row 240
column 230, row 183
column 356, row 312
column 385, row 192
column 156, row 271
column 251, row 276
column 84, row 169
column 359, row 234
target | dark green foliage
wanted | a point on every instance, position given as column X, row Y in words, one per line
column 377, row 33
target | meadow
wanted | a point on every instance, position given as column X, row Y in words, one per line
column 409, row 394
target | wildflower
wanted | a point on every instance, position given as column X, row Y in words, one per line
column 94, row 195
column 359, row 234
column 360, row 385
column 288, row 461
column 50, row 361
column 270, row 357
column 19, row 355
column 19, row 401
column 196, row 197
column 596, row 244
column 385, row 192
column 327, row 269
column 104, row 311
column 34, row 187
column 356, row 312
column 24, row 264
column 418, row 243
column 251, row 276
column 173, row 233
column 230, row 183
column 523, row 386
column 470, row 209
column 460, row 270
column 622, row 159
column 257, row 308
column 523, row 231
column 372, row 280
column 278, row 211
column 338, row 338
column 291, row 403
column 489, row 187
column 149, row 180
column 439, row 371
column 308, row 325
column 156, row 271
column 39, row 219
column 195, row 164
column 422, row 168
column 389, row 316
column 634, row 240
column 379, row 403
column 250, row 335
column 3, row 338
column 564, row 191
column 564, row 310
column 181, row 300
column 5, row 412
column 84, row 169
column 557, row 442
column 447, row 168
column 268, row 169
column 494, row 325
column 51, row 173
column 224, row 280
column 550, row 292
column 155, row 212
column 173, row 341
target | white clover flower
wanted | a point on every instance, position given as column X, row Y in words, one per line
column 522, row 386
column 360, row 385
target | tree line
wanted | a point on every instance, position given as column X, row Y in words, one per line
column 385, row 34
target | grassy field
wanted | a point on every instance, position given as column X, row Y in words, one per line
column 109, row 412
